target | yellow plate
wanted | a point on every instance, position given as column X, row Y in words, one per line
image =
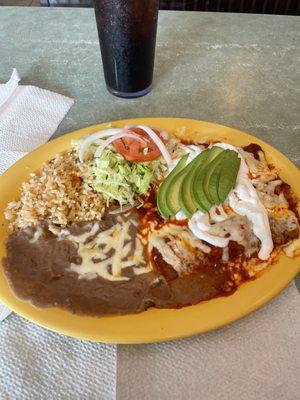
column 153, row 325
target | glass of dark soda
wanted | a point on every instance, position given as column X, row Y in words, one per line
column 127, row 35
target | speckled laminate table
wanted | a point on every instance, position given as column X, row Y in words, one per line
column 234, row 69
column 239, row 70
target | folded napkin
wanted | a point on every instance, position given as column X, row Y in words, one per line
column 28, row 115
column 28, row 118
column 257, row 358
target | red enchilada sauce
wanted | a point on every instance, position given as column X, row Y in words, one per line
column 38, row 271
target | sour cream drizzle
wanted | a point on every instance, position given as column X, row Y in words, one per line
column 244, row 200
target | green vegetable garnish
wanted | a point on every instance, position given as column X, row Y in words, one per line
column 119, row 179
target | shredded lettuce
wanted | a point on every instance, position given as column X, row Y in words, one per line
column 119, row 179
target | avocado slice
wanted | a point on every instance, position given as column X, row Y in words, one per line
column 199, row 197
column 172, row 193
column 211, row 180
column 228, row 175
column 214, row 184
column 185, row 198
column 161, row 194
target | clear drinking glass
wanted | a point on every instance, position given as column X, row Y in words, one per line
column 127, row 35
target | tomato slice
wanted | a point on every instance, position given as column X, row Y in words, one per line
column 133, row 150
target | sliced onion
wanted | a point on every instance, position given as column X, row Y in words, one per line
column 116, row 132
column 163, row 133
column 159, row 143
column 108, row 141
column 95, row 136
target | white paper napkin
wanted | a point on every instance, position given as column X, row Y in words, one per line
column 37, row 364
column 257, row 358
column 28, row 118
column 28, row 115
column 8, row 158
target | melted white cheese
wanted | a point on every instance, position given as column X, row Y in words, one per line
column 106, row 253
column 88, row 269
column 119, row 254
column 177, row 246
column 37, row 234
column 217, row 213
column 293, row 249
column 81, row 239
column 141, row 270
column 225, row 254
column 266, row 192
column 192, row 150
column 199, row 224
column 258, row 168
column 183, row 234
column 138, row 257
column 244, row 200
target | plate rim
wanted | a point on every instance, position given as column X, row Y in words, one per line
column 118, row 338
